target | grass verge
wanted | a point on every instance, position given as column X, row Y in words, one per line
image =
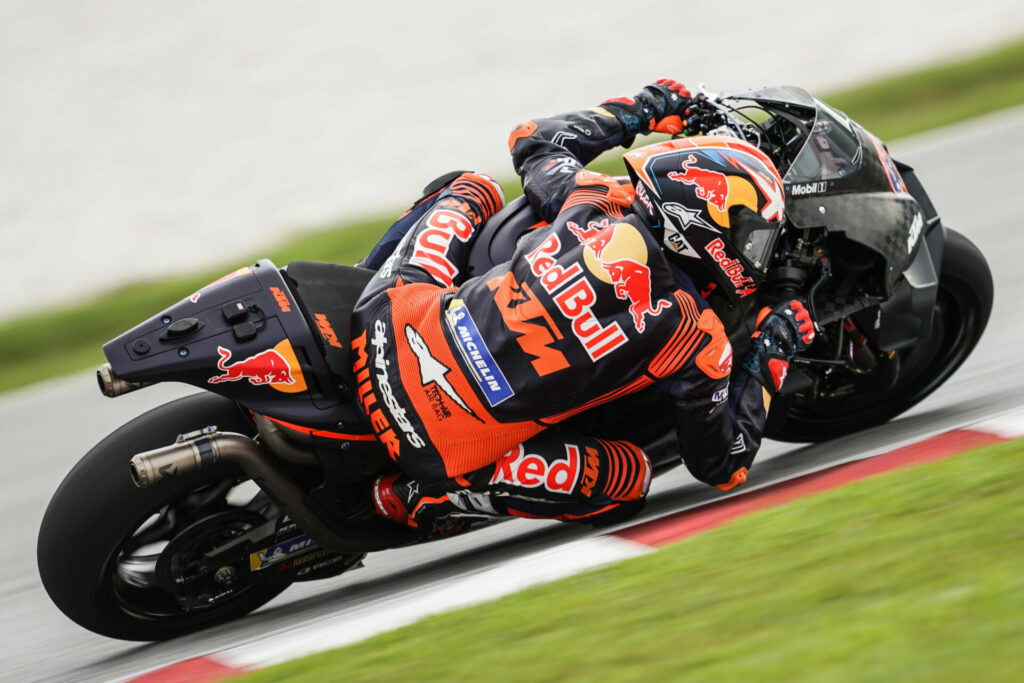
column 66, row 339
column 912, row 575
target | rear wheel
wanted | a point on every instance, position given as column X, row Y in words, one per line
column 962, row 308
column 111, row 556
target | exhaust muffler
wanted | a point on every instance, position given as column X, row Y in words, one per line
column 201, row 449
column 189, row 453
column 111, row 385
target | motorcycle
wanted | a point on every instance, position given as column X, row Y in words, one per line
column 206, row 508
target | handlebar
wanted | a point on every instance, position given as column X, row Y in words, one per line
column 708, row 113
column 702, row 116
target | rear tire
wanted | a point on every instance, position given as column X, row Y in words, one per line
column 962, row 308
column 90, row 554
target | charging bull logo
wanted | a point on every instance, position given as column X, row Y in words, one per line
column 617, row 254
column 711, row 186
column 277, row 367
column 724, row 191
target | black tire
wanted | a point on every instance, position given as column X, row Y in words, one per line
column 962, row 308
column 96, row 510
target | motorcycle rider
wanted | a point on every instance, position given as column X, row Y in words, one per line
column 466, row 377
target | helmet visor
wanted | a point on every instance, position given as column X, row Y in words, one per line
column 754, row 237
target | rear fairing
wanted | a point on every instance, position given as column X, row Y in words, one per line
column 244, row 337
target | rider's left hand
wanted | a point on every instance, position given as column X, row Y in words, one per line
column 781, row 333
column 668, row 99
column 659, row 107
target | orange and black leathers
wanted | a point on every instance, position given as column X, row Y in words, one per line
column 445, row 386
column 720, row 414
column 586, row 311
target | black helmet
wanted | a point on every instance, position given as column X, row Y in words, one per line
column 719, row 202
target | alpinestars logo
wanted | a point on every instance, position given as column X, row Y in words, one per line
column 380, row 363
column 561, row 137
column 433, row 371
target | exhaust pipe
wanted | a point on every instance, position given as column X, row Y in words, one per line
column 188, row 454
column 207, row 447
column 111, row 385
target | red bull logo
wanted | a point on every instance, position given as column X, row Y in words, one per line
column 632, row 282
column 277, row 367
column 711, row 186
column 621, row 252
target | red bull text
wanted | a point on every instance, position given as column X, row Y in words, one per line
column 431, row 249
column 574, row 296
column 519, row 468
column 732, row 268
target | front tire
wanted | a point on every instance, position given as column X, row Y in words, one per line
column 100, row 538
column 962, row 308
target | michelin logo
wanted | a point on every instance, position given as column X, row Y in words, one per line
column 467, row 337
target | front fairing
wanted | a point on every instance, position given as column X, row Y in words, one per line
column 824, row 150
column 839, row 177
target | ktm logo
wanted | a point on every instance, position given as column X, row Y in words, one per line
column 282, row 299
column 518, row 306
column 326, row 331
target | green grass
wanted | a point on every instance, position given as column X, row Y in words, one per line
column 916, row 575
column 938, row 96
column 56, row 342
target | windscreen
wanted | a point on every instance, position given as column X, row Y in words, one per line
column 832, row 150
column 821, row 142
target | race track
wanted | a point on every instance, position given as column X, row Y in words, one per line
column 972, row 174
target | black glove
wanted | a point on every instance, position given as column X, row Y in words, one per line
column 781, row 333
column 657, row 108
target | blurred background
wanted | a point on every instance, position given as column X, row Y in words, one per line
column 142, row 140
column 139, row 139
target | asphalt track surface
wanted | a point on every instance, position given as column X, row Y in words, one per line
column 972, row 174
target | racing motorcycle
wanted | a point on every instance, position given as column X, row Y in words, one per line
column 205, row 508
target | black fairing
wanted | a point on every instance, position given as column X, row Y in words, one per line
column 266, row 356
column 881, row 221
column 841, row 179
column 499, row 236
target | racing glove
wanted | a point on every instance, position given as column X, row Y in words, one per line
column 780, row 333
column 658, row 108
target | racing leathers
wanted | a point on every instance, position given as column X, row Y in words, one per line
column 466, row 377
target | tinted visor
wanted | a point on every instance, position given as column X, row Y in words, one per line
column 754, row 237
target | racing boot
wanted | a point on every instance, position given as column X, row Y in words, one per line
column 400, row 499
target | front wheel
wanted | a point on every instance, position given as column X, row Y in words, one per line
column 962, row 308
column 106, row 548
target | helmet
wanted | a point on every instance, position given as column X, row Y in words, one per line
column 719, row 203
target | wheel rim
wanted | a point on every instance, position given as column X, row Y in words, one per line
column 131, row 575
